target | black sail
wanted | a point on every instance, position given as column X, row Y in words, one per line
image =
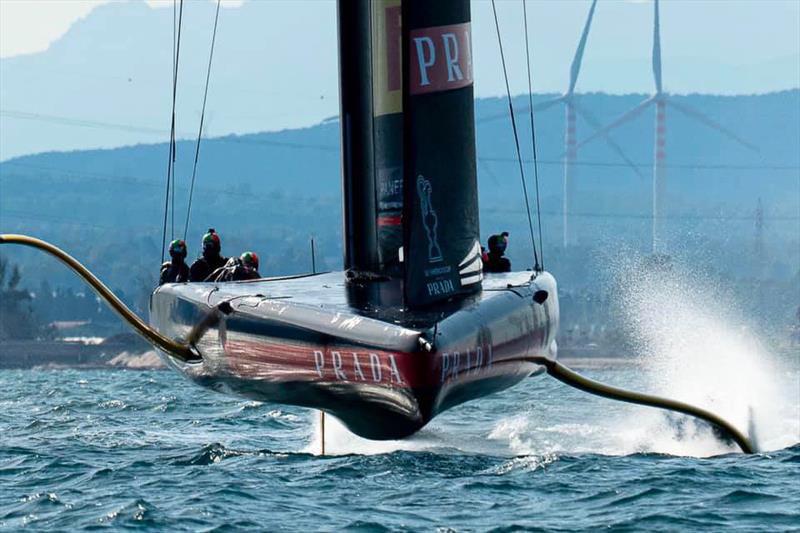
column 408, row 142
column 358, row 176
column 441, row 229
column 387, row 108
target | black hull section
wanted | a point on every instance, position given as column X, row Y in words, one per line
column 385, row 373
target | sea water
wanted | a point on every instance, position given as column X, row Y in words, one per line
column 150, row 451
column 89, row 449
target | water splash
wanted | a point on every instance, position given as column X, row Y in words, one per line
column 696, row 345
column 445, row 436
column 340, row 441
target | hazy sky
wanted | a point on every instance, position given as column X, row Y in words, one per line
column 724, row 47
column 28, row 26
column 726, row 33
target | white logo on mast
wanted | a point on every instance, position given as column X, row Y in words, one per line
column 429, row 218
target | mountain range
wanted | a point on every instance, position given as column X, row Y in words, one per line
column 271, row 192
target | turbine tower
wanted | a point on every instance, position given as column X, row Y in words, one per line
column 573, row 109
column 660, row 101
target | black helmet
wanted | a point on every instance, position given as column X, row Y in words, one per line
column 498, row 243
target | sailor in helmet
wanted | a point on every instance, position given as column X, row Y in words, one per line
column 175, row 270
column 239, row 268
column 249, row 266
column 495, row 262
column 211, row 259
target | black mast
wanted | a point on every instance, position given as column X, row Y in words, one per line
column 355, row 89
column 408, row 147
column 440, row 217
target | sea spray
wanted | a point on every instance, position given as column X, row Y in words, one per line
column 340, row 441
column 696, row 345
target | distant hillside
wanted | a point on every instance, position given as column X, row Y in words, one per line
column 270, row 192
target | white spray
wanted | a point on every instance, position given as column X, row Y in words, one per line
column 695, row 345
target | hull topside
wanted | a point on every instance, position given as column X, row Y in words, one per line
column 385, row 371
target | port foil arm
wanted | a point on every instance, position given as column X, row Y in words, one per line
column 183, row 352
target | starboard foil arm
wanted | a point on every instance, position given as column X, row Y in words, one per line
column 569, row 377
column 181, row 351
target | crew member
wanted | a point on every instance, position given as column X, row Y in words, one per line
column 239, row 268
column 495, row 261
column 176, row 270
column 211, row 259
column 249, row 267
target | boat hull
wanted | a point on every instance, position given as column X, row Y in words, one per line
column 384, row 371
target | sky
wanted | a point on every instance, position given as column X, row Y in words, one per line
column 724, row 47
column 729, row 33
column 29, row 26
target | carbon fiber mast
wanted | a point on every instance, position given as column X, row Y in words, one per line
column 358, row 176
column 441, row 228
column 408, row 165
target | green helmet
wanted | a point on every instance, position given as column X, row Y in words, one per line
column 177, row 247
column 212, row 239
column 250, row 259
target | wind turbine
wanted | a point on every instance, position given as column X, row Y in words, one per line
column 572, row 108
column 661, row 100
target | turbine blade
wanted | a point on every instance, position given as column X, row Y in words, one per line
column 547, row 104
column 700, row 117
column 518, row 111
column 594, row 123
column 627, row 116
column 657, row 50
column 575, row 68
column 482, row 162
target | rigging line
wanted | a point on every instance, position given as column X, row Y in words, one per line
column 516, row 136
column 533, row 136
column 177, row 49
column 166, row 209
column 169, row 156
column 172, row 145
column 202, row 117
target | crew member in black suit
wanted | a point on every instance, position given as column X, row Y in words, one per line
column 211, row 259
column 176, row 270
column 239, row 268
column 495, row 262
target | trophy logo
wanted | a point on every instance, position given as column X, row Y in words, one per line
column 429, row 218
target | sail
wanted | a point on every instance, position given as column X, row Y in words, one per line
column 387, row 108
column 440, row 212
column 408, row 141
column 358, row 174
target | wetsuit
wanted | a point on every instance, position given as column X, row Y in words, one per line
column 243, row 273
column 235, row 270
column 174, row 273
column 497, row 263
column 205, row 266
